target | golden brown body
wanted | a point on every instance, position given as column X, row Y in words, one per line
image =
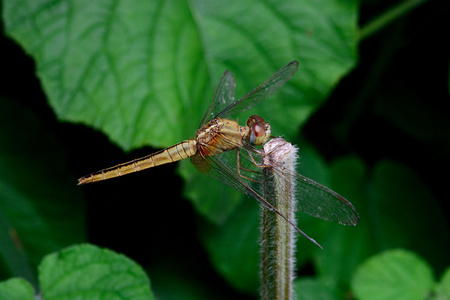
column 177, row 152
column 220, row 135
column 215, row 137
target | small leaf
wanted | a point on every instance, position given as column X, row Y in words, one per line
column 217, row 202
column 233, row 246
column 394, row 274
column 88, row 272
column 345, row 246
column 174, row 279
column 312, row 289
column 424, row 119
column 442, row 289
column 397, row 199
column 16, row 289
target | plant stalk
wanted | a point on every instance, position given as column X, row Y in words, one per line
column 388, row 17
column 277, row 235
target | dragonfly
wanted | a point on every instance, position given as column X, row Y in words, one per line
column 229, row 152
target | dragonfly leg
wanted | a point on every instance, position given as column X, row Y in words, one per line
column 239, row 167
column 253, row 160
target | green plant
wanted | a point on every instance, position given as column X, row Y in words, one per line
column 399, row 274
column 143, row 73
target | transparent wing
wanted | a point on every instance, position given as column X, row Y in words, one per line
column 262, row 92
column 221, row 167
column 223, row 97
column 218, row 167
column 223, row 104
column 313, row 198
column 319, row 201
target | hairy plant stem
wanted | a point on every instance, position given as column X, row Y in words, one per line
column 277, row 235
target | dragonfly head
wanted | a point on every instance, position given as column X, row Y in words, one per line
column 259, row 130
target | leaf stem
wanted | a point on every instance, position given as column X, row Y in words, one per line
column 277, row 235
column 387, row 17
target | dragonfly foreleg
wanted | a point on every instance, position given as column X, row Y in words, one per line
column 253, row 160
column 239, row 167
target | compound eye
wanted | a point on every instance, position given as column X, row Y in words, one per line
column 258, row 129
column 253, row 119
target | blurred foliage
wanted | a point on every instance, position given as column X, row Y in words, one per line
column 371, row 123
column 396, row 274
column 83, row 272
column 38, row 206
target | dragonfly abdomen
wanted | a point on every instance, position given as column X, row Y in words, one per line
column 175, row 153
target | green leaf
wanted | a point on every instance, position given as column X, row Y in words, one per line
column 345, row 246
column 389, row 200
column 174, row 279
column 233, row 246
column 312, row 289
column 137, row 70
column 16, row 289
column 422, row 119
column 88, row 272
column 313, row 166
column 83, row 272
column 397, row 199
column 394, row 274
column 40, row 207
column 442, row 289
column 216, row 202
column 144, row 72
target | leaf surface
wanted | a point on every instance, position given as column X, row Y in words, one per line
column 88, row 272
column 16, row 288
column 144, row 72
column 394, row 274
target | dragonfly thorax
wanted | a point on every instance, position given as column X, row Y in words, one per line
column 220, row 135
column 259, row 130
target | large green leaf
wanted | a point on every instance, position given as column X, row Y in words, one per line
column 233, row 246
column 83, row 272
column 15, row 289
column 143, row 72
column 88, row 272
column 138, row 70
column 398, row 201
column 394, row 274
column 345, row 247
column 40, row 207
